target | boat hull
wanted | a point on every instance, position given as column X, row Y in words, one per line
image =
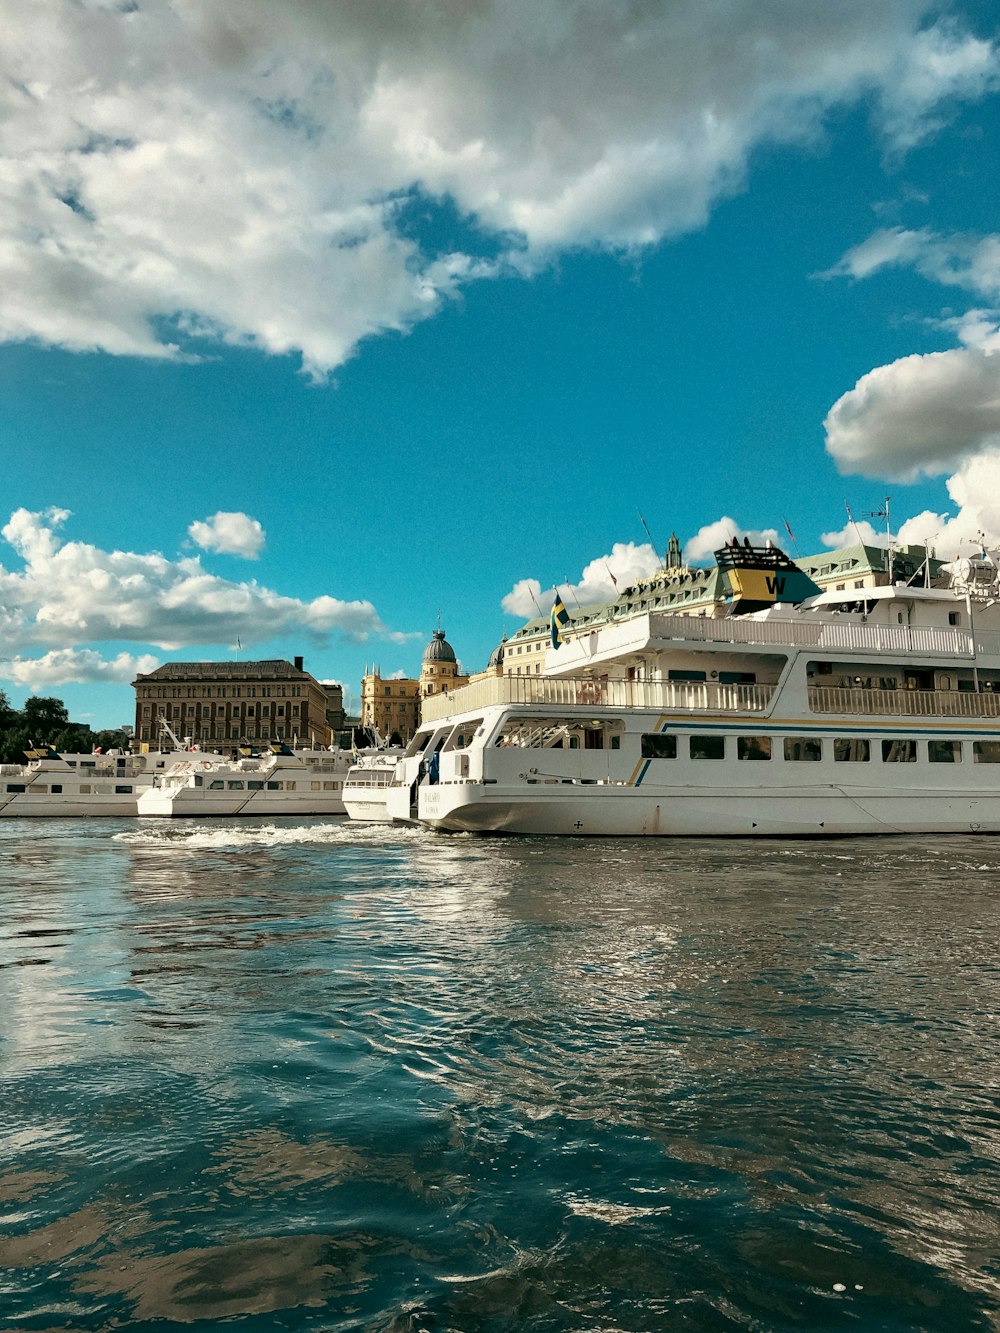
column 591, row 811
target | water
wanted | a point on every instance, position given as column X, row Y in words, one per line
column 323, row 1077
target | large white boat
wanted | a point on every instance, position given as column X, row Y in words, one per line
column 281, row 781
column 53, row 785
column 366, row 787
column 847, row 712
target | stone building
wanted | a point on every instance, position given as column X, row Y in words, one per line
column 393, row 706
column 218, row 705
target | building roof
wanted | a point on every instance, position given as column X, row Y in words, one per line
column 439, row 649
column 275, row 669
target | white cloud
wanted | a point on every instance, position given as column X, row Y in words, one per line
column 68, row 594
column 61, row 666
column 229, row 534
column 853, row 533
column 182, row 173
column 626, row 561
column 921, row 415
column 712, row 536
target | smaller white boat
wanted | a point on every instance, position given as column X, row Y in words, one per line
column 366, row 786
column 52, row 785
column 280, row 781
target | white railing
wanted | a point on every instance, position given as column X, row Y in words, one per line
column 803, row 632
column 586, row 692
column 903, row 703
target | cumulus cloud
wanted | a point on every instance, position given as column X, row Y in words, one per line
column 229, row 534
column 975, row 492
column 921, row 415
column 68, row 593
column 853, row 533
column 707, row 540
column 61, row 666
column 602, row 579
column 178, row 174
column 924, row 415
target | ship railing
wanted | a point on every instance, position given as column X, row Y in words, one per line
column 588, row 691
column 803, row 632
column 853, row 702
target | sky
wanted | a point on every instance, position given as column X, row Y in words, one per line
column 323, row 324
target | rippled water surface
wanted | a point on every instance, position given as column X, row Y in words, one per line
column 317, row 1076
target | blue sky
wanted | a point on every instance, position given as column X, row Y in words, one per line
column 317, row 326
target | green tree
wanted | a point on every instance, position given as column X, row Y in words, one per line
column 44, row 717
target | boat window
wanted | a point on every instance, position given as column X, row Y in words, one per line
column 234, row 786
column 686, row 675
column 315, row 786
column 419, row 742
column 983, row 752
column 803, row 748
column 944, row 752
column 217, row 785
column 123, row 791
column 290, row 786
column 753, row 747
column 463, row 734
column 851, row 750
column 56, row 787
column 199, row 781
column 902, row 750
column 708, row 747
column 657, row 746
column 255, row 786
column 330, row 786
column 274, row 786
column 84, row 789
column 737, row 678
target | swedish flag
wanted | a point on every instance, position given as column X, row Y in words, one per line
column 558, row 617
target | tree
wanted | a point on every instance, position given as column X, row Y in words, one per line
column 43, row 717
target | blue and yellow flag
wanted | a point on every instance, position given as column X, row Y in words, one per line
column 558, row 617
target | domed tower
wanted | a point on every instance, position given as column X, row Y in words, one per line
column 439, row 670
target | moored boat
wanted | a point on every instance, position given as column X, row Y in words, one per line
column 53, row 785
column 279, row 781
column 845, row 712
column 366, row 787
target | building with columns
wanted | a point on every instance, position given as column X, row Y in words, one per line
column 219, row 705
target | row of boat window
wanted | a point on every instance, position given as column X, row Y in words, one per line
column 55, row 788
column 811, row 749
column 237, row 784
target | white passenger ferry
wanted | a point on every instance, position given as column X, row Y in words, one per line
column 846, row 712
column 366, row 787
column 52, row 785
column 280, row 781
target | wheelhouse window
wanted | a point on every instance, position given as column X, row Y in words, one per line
column 803, row 748
column 944, row 752
column 753, row 747
column 851, row 750
column 901, row 750
column 708, row 747
column 657, row 746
